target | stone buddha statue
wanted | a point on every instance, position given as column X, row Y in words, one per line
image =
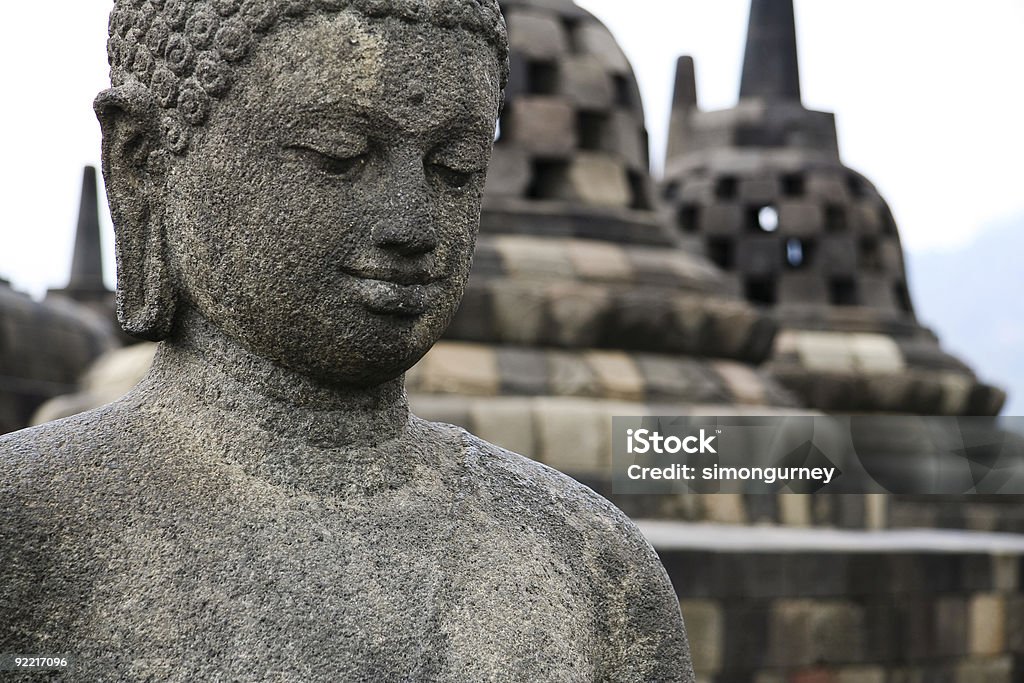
column 296, row 191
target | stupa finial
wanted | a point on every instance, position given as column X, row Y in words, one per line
column 770, row 66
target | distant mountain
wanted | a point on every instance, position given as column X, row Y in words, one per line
column 974, row 300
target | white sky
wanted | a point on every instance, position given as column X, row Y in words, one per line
column 927, row 93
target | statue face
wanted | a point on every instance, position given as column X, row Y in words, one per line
column 325, row 216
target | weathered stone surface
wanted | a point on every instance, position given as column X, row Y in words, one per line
column 541, row 125
column 833, row 262
column 459, row 368
column 586, row 83
column 617, row 373
column 599, row 261
column 509, row 172
column 535, row 33
column 263, row 505
column 706, row 634
column 987, row 625
column 593, row 38
column 505, row 422
column 596, row 178
column 573, row 436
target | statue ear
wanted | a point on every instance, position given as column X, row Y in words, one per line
column 135, row 170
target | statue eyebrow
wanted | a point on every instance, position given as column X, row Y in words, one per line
column 336, row 109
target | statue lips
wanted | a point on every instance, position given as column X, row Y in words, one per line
column 395, row 293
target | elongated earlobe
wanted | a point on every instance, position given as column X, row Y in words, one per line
column 134, row 168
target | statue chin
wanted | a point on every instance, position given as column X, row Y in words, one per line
column 339, row 356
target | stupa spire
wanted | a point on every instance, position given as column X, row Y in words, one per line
column 770, row 67
column 87, row 262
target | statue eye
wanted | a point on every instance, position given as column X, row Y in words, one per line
column 340, row 166
column 450, row 176
column 333, row 165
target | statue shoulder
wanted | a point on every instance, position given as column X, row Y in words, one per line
column 556, row 494
column 640, row 612
column 34, row 460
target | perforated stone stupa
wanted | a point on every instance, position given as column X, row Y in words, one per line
column 581, row 304
column 46, row 346
column 760, row 188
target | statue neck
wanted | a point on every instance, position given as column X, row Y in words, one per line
column 218, row 373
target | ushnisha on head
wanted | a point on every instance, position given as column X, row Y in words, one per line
column 305, row 175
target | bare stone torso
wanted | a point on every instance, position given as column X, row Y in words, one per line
column 150, row 558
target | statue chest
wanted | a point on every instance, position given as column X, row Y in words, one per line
column 403, row 592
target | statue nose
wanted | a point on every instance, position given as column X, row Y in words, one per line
column 406, row 235
column 407, row 227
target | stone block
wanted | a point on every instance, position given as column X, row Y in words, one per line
column 577, row 313
column 722, row 219
column 585, row 83
column 592, row 260
column 876, row 354
column 826, row 187
column 704, row 626
column 509, row 173
column 891, row 255
column 572, row 436
column 571, row 375
column 701, row 190
column 837, row 255
column 507, row 422
column 888, row 393
column 1006, row 573
column 809, row 632
column 542, row 126
column 951, row 626
column 759, row 256
column 691, row 318
column 956, row 392
column 802, row 287
column 865, row 219
column 861, row 674
column 745, row 385
column 519, row 311
column 593, row 38
column 449, row 409
column 536, row 34
column 876, row 291
column 522, row 371
column 626, row 139
column 992, row 670
column 759, row 190
column 826, row 352
column 665, row 378
column 617, row 374
column 654, row 267
column 736, row 327
column 883, row 624
column 528, row 257
column 474, row 321
column 987, row 624
column 460, row 368
column 724, row 508
column 1015, row 624
column 794, row 509
column 800, row 218
column 813, row 674
column 596, row 178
